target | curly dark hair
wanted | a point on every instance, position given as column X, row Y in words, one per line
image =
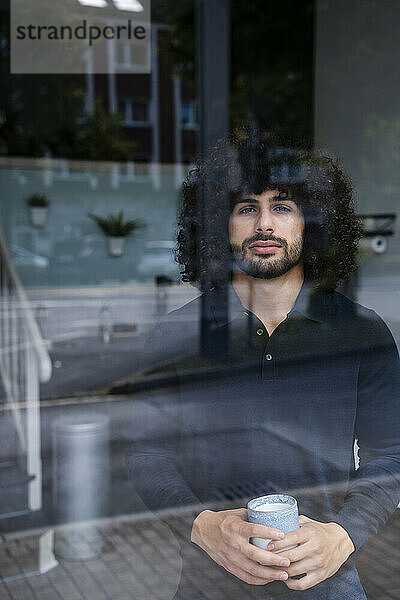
column 241, row 164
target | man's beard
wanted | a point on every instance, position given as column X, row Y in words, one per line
column 267, row 266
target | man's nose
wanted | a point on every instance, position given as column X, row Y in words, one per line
column 264, row 221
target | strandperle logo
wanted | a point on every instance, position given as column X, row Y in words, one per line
column 81, row 32
column 80, row 36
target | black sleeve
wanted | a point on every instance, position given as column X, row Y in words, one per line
column 374, row 491
column 155, row 454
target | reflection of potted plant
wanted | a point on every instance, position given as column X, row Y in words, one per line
column 116, row 229
column 38, row 206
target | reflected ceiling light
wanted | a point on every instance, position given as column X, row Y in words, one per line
column 131, row 5
column 94, row 3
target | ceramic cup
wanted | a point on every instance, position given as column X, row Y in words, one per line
column 276, row 510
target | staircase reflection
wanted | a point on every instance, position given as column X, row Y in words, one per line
column 24, row 363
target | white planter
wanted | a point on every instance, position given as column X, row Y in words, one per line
column 38, row 215
column 116, row 245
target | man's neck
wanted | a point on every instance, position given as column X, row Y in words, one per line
column 270, row 299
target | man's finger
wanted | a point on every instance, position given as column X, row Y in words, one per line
column 303, row 551
column 264, row 557
column 299, row 536
column 257, row 570
column 261, row 531
column 311, row 579
column 307, row 565
column 244, row 576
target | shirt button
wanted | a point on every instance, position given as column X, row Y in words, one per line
column 268, row 357
column 260, row 331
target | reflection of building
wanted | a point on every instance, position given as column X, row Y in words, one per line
column 159, row 111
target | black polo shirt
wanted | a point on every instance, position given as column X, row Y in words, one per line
column 281, row 413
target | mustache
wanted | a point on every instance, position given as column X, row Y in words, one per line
column 264, row 238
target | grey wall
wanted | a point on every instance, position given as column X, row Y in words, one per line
column 357, row 119
column 357, row 98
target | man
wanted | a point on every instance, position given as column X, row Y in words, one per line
column 307, row 372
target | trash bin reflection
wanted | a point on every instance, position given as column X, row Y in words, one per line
column 81, row 481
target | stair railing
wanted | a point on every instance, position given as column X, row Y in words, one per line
column 24, row 363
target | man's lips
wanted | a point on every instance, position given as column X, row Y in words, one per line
column 264, row 247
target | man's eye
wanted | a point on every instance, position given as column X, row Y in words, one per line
column 246, row 210
column 282, row 208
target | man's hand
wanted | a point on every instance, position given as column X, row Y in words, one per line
column 322, row 549
column 225, row 535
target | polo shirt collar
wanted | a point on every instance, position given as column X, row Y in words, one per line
column 309, row 304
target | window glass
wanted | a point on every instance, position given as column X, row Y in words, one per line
column 199, row 291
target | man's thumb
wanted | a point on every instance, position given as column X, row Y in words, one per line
column 303, row 519
column 241, row 512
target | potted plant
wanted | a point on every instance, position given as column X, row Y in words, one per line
column 38, row 206
column 116, row 229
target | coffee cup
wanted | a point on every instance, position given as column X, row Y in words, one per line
column 274, row 510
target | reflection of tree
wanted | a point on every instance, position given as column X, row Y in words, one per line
column 271, row 82
column 271, row 64
column 43, row 114
column 100, row 137
column 39, row 109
